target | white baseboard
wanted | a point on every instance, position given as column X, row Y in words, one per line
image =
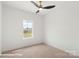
column 72, row 52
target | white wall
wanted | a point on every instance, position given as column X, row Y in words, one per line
column 62, row 27
column 13, row 28
column 0, row 26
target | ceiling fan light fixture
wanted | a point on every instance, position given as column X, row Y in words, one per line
column 40, row 9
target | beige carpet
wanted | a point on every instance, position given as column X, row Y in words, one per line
column 38, row 51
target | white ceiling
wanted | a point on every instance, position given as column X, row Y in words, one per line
column 28, row 6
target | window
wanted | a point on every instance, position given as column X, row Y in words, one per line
column 27, row 25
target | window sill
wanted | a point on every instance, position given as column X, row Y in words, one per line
column 28, row 38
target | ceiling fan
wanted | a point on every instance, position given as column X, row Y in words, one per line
column 40, row 6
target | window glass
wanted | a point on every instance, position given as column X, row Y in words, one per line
column 27, row 25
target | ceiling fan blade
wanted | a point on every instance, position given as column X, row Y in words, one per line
column 34, row 4
column 37, row 11
column 49, row 7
